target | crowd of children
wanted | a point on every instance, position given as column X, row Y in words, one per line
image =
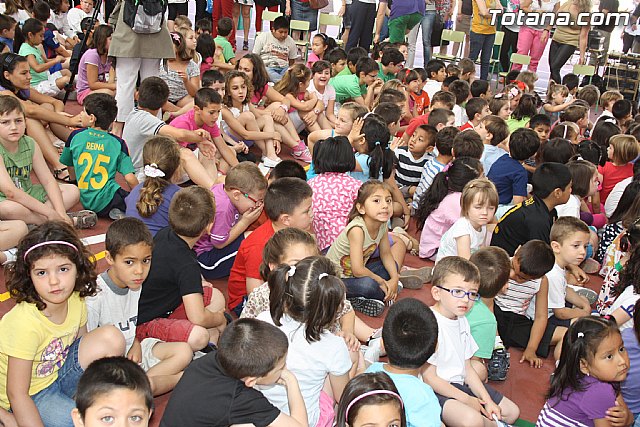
column 515, row 200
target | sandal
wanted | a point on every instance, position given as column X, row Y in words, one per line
column 412, row 244
column 66, row 179
column 83, row 219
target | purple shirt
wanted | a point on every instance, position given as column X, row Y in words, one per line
column 631, row 385
column 188, row 121
column 438, row 222
column 400, row 8
column 160, row 218
column 91, row 57
column 226, row 217
column 579, row 408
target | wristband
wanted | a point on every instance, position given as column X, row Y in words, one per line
column 317, row 111
column 284, row 107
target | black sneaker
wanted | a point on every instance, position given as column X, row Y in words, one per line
column 245, row 45
column 368, row 306
column 498, row 365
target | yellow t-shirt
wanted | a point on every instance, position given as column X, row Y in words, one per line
column 482, row 24
column 25, row 333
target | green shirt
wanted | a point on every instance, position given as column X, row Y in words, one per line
column 25, row 50
column 227, row 50
column 347, row 87
column 484, row 327
column 345, row 72
column 96, row 156
column 19, row 166
column 385, row 77
column 517, row 124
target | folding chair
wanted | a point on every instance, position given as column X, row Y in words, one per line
column 303, row 27
column 516, row 58
column 270, row 16
column 587, row 71
column 331, row 21
column 451, row 37
column 498, row 42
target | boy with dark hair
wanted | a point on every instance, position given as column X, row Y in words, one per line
column 360, row 86
column 460, row 89
column 448, row 81
column 494, row 266
column 337, row 57
column 508, row 172
column 412, row 159
column 441, row 99
column 468, row 144
column 174, row 305
column 7, row 30
column 213, row 79
column 467, row 70
column 532, row 219
column 541, row 125
column 287, row 168
column 462, row 395
column 239, row 203
column 440, row 118
column 287, row 203
column 571, row 81
column 105, row 380
column 129, row 244
column 409, row 334
column 203, row 26
column 494, row 132
column 276, row 48
column 225, row 26
column 390, row 63
column 481, row 89
column 436, row 71
column 476, row 109
column 86, row 151
column 622, row 111
column 354, row 55
column 143, row 122
column 443, row 142
column 218, row 389
column 391, row 113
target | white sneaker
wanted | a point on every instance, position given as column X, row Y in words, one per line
column 270, row 163
column 10, row 254
column 373, row 351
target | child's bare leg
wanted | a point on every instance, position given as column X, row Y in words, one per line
column 187, row 100
column 60, row 131
column 15, row 211
column 398, row 251
column 264, row 124
column 455, row 414
column 480, row 369
column 174, row 358
column 362, row 331
column 314, row 127
column 70, row 195
column 105, row 341
column 509, row 410
column 324, row 122
column 62, row 81
column 36, row 131
column 216, row 305
column 556, row 339
column 287, row 139
column 293, row 133
column 195, row 170
column 198, row 338
column 12, row 232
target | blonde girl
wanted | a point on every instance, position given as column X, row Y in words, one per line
column 306, row 109
column 556, row 101
column 191, row 43
column 621, row 151
column 500, row 107
column 240, row 122
column 150, row 200
column 529, row 78
column 478, row 205
column 181, row 74
column 45, row 344
column 20, row 198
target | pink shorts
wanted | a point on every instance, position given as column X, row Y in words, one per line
column 82, row 95
column 175, row 328
column 327, row 414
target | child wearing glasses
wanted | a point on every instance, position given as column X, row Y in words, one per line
column 462, row 395
column 238, row 204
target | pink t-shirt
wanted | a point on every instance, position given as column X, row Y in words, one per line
column 188, row 121
column 438, row 223
column 258, row 94
column 333, row 197
column 226, row 217
column 611, row 175
column 311, row 59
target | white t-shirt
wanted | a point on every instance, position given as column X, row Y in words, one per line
column 114, row 306
column 328, row 95
column 431, row 87
column 571, row 208
column 460, row 115
column 455, row 347
column 614, row 197
column 462, row 227
column 627, row 302
column 75, row 17
column 557, row 289
column 310, row 363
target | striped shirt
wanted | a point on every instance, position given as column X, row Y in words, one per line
column 430, row 170
column 409, row 169
column 518, row 298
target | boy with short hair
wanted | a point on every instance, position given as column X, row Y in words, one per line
column 104, row 382
column 476, row 109
column 607, row 99
column 410, row 334
column 337, row 57
column 467, row 144
column 532, row 219
column 444, row 143
column 412, row 159
column 578, row 114
column 225, row 26
column 213, row 79
column 143, row 122
column 481, row 89
column 494, row 266
column 390, row 63
column 7, row 30
column 571, row 81
column 467, row 70
column 460, row 89
column 203, row 26
column 96, row 156
column 219, row 388
column 494, row 132
column 441, row 118
column 276, row 48
column 239, row 203
column 461, row 393
column 541, row 125
column 441, row 100
column 174, row 305
column 128, row 253
column 590, row 94
column 360, row 86
column 354, row 55
column 622, row 111
column 287, row 203
column 436, row 74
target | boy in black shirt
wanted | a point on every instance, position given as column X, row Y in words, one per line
column 217, row 389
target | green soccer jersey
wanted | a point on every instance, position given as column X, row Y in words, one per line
column 96, row 156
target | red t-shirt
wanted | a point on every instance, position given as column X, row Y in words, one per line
column 247, row 263
column 421, row 101
column 416, row 122
column 611, row 175
column 466, row 126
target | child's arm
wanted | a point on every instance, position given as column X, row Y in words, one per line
column 297, row 408
column 619, row 415
column 92, row 79
column 54, row 195
column 555, row 108
column 227, row 153
column 135, row 352
column 18, row 383
column 38, row 68
column 198, row 314
column 539, row 325
column 399, row 198
column 477, row 387
column 197, row 136
column 580, row 307
column 131, row 179
column 368, row 101
column 391, row 286
column 303, row 106
column 60, row 50
column 242, row 132
column 356, row 243
column 440, row 386
column 246, row 220
column 316, row 136
column 463, row 246
column 329, row 112
column 192, row 84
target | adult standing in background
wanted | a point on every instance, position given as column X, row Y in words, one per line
column 363, row 15
column 483, row 34
column 426, row 23
column 463, row 23
column 222, row 8
column 568, row 38
column 201, row 10
column 533, row 39
column 606, row 7
column 300, row 10
column 511, row 32
column 135, row 53
column 176, row 7
column 405, row 14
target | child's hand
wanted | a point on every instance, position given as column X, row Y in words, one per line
column 241, row 147
column 205, row 135
column 530, row 356
column 208, row 149
column 182, row 75
column 277, row 140
column 135, row 353
column 491, row 408
column 391, row 291
column 476, row 404
column 397, row 142
column 286, row 377
column 280, row 116
column 355, row 135
column 310, row 118
column 352, row 342
column 251, row 215
column 617, row 415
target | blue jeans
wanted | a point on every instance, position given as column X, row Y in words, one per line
column 366, row 286
column 384, row 31
column 276, row 74
column 427, row 22
column 482, row 43
column 55, row 402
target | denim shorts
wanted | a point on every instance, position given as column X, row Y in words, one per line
column 56, row 401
